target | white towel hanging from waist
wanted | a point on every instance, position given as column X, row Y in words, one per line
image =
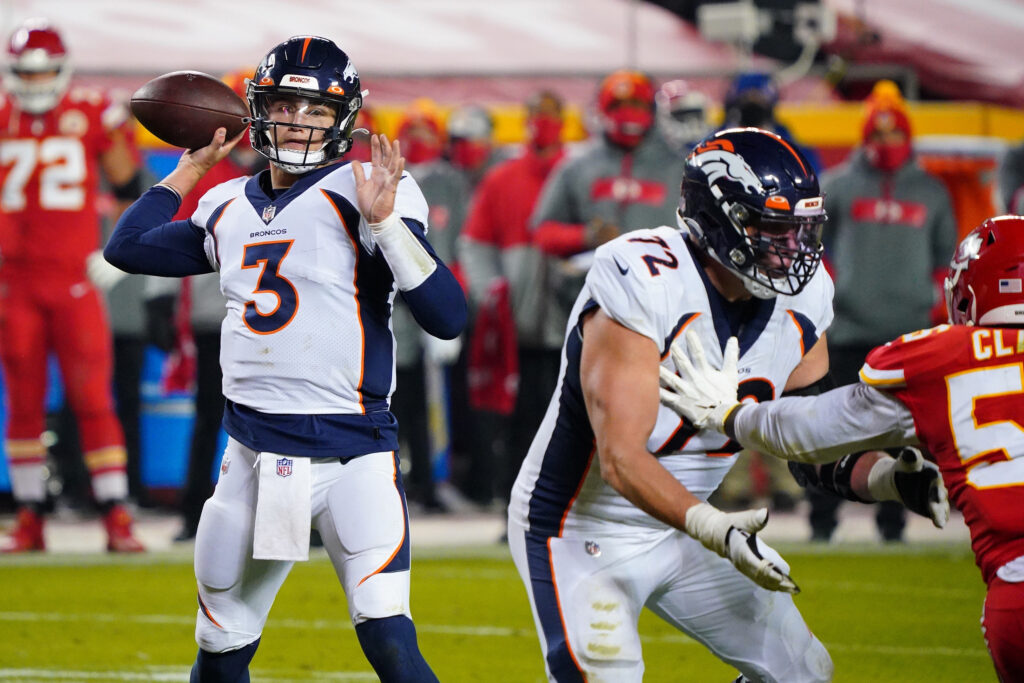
column 282, row 508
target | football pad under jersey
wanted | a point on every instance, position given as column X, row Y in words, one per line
column 308, row 293
column 965, row 388
column 651, row 282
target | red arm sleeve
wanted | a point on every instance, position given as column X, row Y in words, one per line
column 560, row 239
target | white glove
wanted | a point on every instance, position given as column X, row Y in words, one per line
column 441, row 351
column 913, row 481
column 700, row 393
column 733, row 536
column 102, row 275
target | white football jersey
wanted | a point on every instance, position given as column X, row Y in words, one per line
column 308, row 325
column 651, row 282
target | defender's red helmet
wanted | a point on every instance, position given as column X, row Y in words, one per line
column 35, row 47
column 985, row 285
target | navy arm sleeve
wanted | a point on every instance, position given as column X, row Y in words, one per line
column 438, row 304
column 147, row 241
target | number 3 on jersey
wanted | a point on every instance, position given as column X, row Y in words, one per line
column 268, row 257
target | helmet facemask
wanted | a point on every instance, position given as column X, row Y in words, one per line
column 783, row 251
column 772, row 253
column 321, row 143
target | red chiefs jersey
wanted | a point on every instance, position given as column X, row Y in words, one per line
column 49, row 179
column 965, row 388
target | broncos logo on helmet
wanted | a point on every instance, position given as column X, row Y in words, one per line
column 720, row 164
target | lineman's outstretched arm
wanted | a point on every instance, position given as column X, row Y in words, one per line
column 619, row 378
column 811, row 430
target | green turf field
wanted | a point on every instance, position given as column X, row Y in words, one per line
column 886, row 614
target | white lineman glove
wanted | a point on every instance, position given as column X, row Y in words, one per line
column 913, row 481
column 102, row 275
column 733, row 536
column 700, row 393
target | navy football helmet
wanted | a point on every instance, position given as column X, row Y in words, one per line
column 316, row 69
column 751, row 201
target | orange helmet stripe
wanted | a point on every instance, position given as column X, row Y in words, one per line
column 305, row 46
column 725, row 145
column 790, row 148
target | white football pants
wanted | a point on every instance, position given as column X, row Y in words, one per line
column 586, row 595
column 358, row 508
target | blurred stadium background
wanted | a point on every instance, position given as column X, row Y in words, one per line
column 958, row 63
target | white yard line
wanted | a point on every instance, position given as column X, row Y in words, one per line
column 473, row 631
column 174, row 675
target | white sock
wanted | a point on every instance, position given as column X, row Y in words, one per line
column 27, row 483
column 111, row 485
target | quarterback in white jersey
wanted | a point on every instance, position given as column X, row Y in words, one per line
column 608, row 514
column 311, row 254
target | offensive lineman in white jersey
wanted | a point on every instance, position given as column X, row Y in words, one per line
column 607, row 514
column 310, row 253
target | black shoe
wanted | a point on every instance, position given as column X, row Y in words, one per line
column 187, row 533
column 435, row 506
column 821, row 536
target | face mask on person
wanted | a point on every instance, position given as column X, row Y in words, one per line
column 887, row 156
column 420, row 151
column 469, row 154
column 887, row 138
column 545, row 130
column 626, row 125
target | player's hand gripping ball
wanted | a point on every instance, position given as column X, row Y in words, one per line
column 185, row 108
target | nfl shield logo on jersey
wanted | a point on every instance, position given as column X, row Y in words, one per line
column 268, row 213
column 284, row 467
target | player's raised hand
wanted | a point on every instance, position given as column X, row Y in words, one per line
column 700, row 393
column 733, row 535
column 375, row 194
column 205, row 158
column 194, row 163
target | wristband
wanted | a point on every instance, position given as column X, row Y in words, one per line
column 410, row 262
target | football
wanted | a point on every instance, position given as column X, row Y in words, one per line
column 185, row 108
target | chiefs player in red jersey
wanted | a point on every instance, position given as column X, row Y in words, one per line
column 956, row 390
column 55, row 143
